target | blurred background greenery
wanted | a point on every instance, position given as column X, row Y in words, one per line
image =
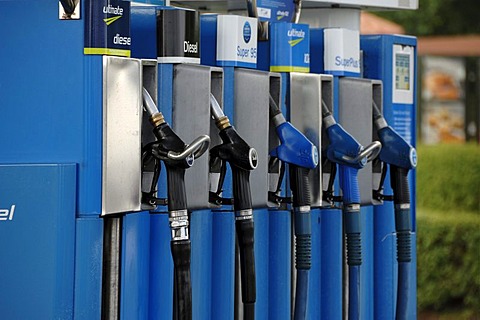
column 438, row 17
column 448, row 231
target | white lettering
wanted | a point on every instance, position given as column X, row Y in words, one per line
column 190, row 47
column 296, row 33
column 124, row 41
column 112, row 10
column 6, row 214
column 348, row 62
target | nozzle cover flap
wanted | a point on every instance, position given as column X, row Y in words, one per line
column 396, row 150
column 343, row 144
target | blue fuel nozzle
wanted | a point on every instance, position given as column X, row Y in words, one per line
column 294, row 147
column 396, row 151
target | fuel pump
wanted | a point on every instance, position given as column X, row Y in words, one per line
column 301, row 156
column 400, row 157
column 177, row 157
column 345, row 151
column 284, row 48
column 242, row 159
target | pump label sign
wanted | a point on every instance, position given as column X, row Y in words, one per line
column 342, row 52
column 107, row 28
column 290, row 47
column 236, row 41
column 178, row 36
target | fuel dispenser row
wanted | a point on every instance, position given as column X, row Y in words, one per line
column 299, row 138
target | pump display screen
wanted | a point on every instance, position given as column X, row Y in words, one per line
column 402, row 71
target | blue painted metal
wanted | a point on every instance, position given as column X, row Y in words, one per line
column 317, row 50
column 366, row 269
column 159, row 2
column 161, row 269
column 378, row 60
column 88, row 268
column 135, row 266
column 201, row 263
column 314, row 308
column 331, row 268
column 412, row 302
column 63, row 97
column 223, row 265
column 208, row 39
column 280, row 265
column 37, row 232
column 143, row 24
column 260, row 217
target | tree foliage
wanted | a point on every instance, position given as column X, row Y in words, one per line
column 438, row 17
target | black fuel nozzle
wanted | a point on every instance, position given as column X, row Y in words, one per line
column 242, row 159
column 177, row 157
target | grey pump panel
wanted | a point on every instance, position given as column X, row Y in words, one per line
column 122, row 111
column 251, row 120
column 306, row 94
column 273, row 141
column 355, row 115
column 327, row 98
column 192, row 85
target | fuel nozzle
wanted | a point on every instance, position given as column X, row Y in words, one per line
column 294, row 147
column 401, row 157
column 170, row 147
column 396, row 150
column 301, row 156
column 351, row 156
column 343, row 148
column 234, row 149
column 242, row 159
column 177, row 157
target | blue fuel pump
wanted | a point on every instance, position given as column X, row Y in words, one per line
column 401, row 157
column 301, row 156
column 177, row 157
column 345, row 151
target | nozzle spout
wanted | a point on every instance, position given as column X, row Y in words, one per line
column 217, row 112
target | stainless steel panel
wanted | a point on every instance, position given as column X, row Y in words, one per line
column 122, row 100
column 273, row 140
column 306, row 116
column 327, row 97
column 150, row 80
column 355, row 115
column 251, row 119
column 192, row 85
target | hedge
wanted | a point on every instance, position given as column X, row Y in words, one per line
column 448, row 177
column 448, row 253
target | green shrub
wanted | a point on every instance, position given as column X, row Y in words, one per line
column 448, row 251
column 448, row 177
